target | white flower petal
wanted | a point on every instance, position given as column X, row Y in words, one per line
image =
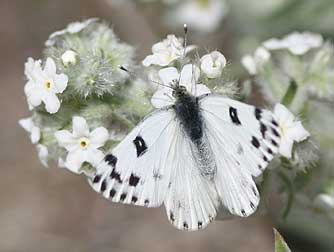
column 66, row 140
column 52, row 103
column 168, row 75
column 285, row 148
column 74, row 160
column 283, row 115
column 249, row 63
column 26, row 123
column 34, row 94
column 150, row 60
column 94, row 157
column 61, row 81
column 98, row 137
column 50, row 67
column 212, row 64
column 162, row 98
column 80, row 127
column 43, row 154
column 189, row 76
column 202, row 90
column 298, row 132
column 35, row 134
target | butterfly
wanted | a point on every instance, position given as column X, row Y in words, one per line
column 196, row 152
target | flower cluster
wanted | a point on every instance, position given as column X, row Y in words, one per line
column 82, row 84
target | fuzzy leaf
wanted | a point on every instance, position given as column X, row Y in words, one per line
column 280, row 244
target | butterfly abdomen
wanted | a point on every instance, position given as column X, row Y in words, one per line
column 188, row 112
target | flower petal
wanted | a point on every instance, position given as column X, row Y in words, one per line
column 98, row 137
column 189, row 76
column 162, row 98
column 60, row 82
column 168, row 75
column 66, row 140
column 50, row 67
column 52, row 103
column 74, row 160
column 94, row 157
column 283, row 115
column 35, row 134
column 43, row 154
column 202, row 90
column 80, row 127
column 26, row 123
column 249, row 63
column 285, row 148
column 297, row 132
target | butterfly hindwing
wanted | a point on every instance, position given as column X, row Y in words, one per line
column 191, row 201
column 243, row 139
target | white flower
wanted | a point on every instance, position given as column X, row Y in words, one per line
column 253, row 63
column 324, row 202
column 166, row 52
column 43, row 85
column 297, row 43
column 201, row 15
column 188, row 78
column 72, row 28
column 212, row 64
column 69, row 57
column 291, row 130
column 29, row 126
column 82, row 145
column 43, row 154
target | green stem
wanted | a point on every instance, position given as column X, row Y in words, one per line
column 291, row 194
column 290, row 93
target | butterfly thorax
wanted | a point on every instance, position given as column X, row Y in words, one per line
column 188, row 112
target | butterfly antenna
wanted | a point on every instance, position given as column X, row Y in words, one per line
column 185, row 41
column 123, row 68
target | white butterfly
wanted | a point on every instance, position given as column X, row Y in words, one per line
column 198, row 151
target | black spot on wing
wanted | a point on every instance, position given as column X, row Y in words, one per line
column 111, row 160
column 252, row 205
column 146, row 202
column 115, row 175
column 97, row 179
column 134, row 199
column 122, row 197
column 185, row 226
column 234, row 116
column 263, row 129
column 140, row 144
column 255, row 142
column 275, row 132
column 112, row 193
column 171, row 217
column 199, row 225
column 133, row 180
column 243, row 212
column 103, row 186
column 258, row 113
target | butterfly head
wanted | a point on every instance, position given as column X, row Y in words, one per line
column 179, row 91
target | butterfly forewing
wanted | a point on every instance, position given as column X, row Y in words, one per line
column 138, row 170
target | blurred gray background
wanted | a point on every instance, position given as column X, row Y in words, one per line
column 55, row 210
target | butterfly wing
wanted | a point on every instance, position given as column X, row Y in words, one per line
column 155, row 164
column 139, row 168
column 191, row 200
column 243, row 139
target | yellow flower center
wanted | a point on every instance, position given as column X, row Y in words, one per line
column 48, row 85
column 83, row 142
column 203, row 3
